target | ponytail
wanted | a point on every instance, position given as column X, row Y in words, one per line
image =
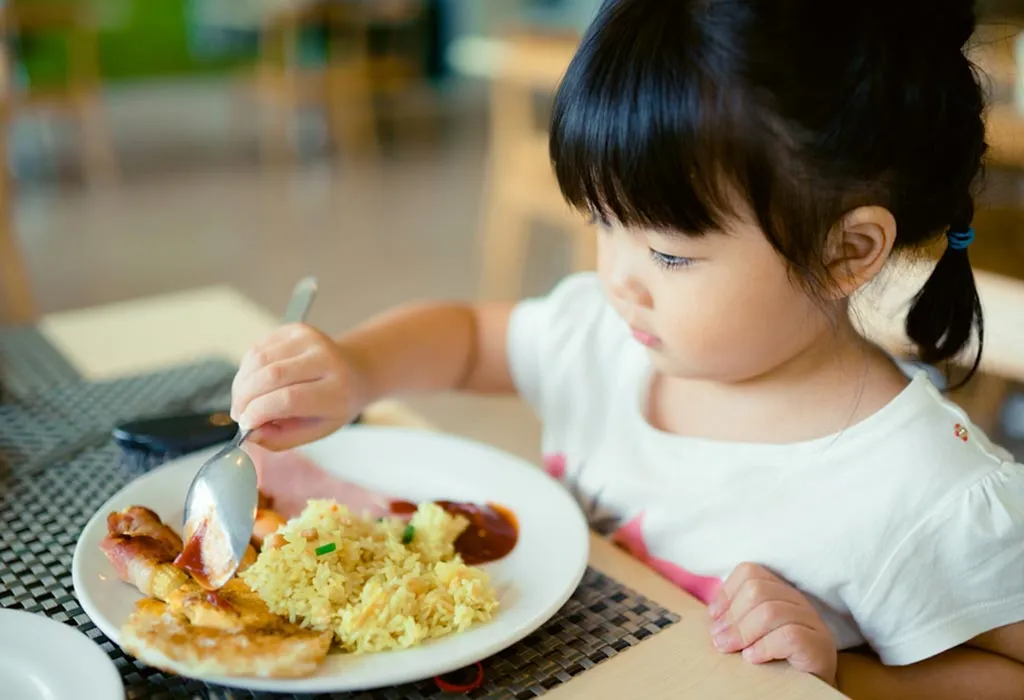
column 947, row 310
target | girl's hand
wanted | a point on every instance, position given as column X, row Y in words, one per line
column 295, row 386
column 767, row 619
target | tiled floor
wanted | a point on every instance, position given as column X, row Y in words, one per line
column 194, row 208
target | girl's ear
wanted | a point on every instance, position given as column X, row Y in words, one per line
column 859, row 246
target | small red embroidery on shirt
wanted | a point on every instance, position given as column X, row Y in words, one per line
column 961, row 432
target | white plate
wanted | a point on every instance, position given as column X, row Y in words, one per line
column 533, row 582
column 42, row 659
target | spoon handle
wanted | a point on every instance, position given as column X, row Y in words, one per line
column 298, row 308
column 302, row 298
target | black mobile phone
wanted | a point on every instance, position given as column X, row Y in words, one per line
column 178, row 434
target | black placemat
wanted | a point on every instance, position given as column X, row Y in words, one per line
column 44, row 508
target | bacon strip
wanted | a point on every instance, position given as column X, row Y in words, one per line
column 145, row 563
column 141, row 549
column 138, row 521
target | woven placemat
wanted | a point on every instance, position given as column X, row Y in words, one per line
column 53, row 423
column 29, row 363
column 49, row 491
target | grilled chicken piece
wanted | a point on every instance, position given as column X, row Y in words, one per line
column 187, row 630
column 235, row 635
column 234, row 607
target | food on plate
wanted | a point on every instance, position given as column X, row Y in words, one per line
column 141, row 549
column 267, row 523
column 235, row 636
column 287, row 480
column 291, row 478
column 376, row 584
column 207, row 554
column 491, row 534
column 138, row 521
column 351, row 567
column 183, row 628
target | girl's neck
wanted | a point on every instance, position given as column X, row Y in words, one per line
column 837, row 381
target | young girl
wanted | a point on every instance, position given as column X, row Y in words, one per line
column 750, row 165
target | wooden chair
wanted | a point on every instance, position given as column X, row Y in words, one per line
column 993, row 49
column 15, row 293
column 345, row 84
column 80, row 95
column 521, row 187
column 16, row 305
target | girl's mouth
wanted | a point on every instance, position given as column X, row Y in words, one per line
column 644, row 338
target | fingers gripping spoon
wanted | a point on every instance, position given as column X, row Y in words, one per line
column 220, row 507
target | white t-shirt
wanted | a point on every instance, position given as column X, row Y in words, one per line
column 905, row 531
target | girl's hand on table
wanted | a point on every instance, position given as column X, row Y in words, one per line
column 762, row 616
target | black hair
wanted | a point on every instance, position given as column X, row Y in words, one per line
column 672, row 107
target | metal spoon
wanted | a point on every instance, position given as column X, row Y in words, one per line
column 220, row 507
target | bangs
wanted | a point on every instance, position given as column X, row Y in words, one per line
column 645, row 131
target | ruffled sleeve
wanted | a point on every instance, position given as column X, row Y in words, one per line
column 956, row 574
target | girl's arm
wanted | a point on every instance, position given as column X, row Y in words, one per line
column 431, row 347
column 298, row 385
column 995, row 671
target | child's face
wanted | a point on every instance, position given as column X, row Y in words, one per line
column 722, row 307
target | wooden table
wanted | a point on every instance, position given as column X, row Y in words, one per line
column 149, row 334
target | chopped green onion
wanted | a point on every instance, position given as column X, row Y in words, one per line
column 407, row 534
column 325, row 549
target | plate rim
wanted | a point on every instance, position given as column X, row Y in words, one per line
column 315, row 684
column 107, row 672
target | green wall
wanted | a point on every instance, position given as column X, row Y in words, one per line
column 138, row 39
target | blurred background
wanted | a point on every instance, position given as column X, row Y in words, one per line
column 394, row 148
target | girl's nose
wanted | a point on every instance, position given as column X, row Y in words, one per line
column 622, row 260
column 628, row 287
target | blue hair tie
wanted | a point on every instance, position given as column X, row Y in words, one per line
column 959, row 240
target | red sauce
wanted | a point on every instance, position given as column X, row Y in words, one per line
column 191, row 557
column 217, row 600
column 492, row 533
column 403, row 507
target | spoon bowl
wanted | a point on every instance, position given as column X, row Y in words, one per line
column 221, row 510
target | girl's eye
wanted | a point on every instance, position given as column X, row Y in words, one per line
column 670, row 262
